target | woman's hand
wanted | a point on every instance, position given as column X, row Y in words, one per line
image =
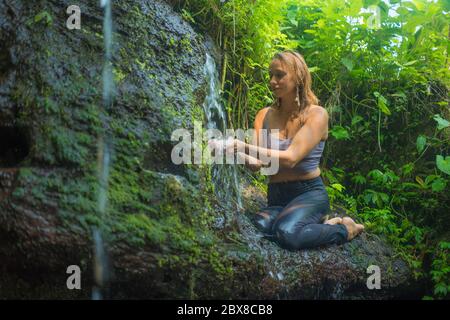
column 215, row 144
column 233, row 146
column 229, row 146
column 250, row 162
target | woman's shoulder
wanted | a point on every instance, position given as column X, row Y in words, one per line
column 261, row 114
column 264, row 110
column 317, row 111
column 317, row 108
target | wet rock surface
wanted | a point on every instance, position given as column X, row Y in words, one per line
column 334, row 272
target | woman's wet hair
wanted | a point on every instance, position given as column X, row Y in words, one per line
column 295, row 61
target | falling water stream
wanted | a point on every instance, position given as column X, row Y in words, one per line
column 101, row 265
column 225, row 176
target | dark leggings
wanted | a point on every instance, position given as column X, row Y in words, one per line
column 293, row 217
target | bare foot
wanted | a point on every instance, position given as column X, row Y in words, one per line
column 353, row 228
column 333, row 221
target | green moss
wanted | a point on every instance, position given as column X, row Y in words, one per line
column 165, row 213
column 50, row 105
column 43, row 17
column 141, row 228
column 69, row 148
column 89, row 220
column 118, row 75
column 186, row 43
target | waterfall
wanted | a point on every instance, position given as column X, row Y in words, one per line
column 225, row 178
column 101, row 272
column 101, row 265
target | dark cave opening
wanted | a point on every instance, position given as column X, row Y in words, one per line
column 14, row 145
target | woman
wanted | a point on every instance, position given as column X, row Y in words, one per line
column 297, row 198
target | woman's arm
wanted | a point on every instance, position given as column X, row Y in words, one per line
column 304, row 141
column 250, row 162
column 254, row 164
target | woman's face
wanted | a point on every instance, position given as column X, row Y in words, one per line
column 282, row 81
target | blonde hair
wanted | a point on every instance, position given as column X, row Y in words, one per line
column 305, row 95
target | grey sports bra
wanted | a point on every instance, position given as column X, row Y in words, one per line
column 309, row 163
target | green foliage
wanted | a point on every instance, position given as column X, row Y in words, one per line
column 443, row 163
column 382, row 103
column 340, row 133
column 442, row 123
column 441, row 270
column 420, row 143
column 386, row 91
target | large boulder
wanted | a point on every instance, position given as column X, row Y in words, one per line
column 162, row 227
